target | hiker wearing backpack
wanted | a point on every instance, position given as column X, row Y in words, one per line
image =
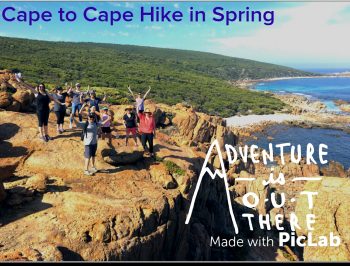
column 90, row 138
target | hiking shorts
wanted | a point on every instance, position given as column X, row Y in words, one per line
column 90, row 151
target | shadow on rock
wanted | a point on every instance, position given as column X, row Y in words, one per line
column 8, row 130
column 27, row 199
column 69, row 255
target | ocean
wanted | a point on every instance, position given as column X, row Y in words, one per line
column 324, row 89
column 338, row 141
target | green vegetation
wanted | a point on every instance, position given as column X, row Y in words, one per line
column 200, row 79
column 174, row 169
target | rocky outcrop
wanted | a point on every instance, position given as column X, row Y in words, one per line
column 332, row 211
column 127, row 211
column 300, row 104
column 161, row 175
column 187, row 127
column 134, row 208
column 13, row 94
column 334, row 169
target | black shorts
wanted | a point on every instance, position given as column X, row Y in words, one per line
column 106, row 130
column 90, row 151
column 43, row 117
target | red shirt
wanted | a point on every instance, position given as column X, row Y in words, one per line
column 147, row 124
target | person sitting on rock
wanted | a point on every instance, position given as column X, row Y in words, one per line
column 59, row 109
column 77, row 102
column 42, row 98
column 130, row 125
column 90, row 138
column 147, row 129
column 140, row 101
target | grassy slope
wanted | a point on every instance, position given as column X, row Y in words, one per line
column 175, row 75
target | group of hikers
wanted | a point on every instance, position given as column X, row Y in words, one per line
column 137, row 120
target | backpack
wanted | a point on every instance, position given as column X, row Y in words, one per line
column 84, row 131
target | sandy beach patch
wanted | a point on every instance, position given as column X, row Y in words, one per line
column 248, row 120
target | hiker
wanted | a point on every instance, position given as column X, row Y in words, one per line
column 42, row 98
column 95, row 101
column 90, row 138
column 77, row 102
column 111, row 114
column 106, row 121
column 147, row 129
column 59, row 109
column 140, row 101
column 91, row 110
column 130, row 125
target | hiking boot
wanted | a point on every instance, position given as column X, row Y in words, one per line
column 48, row 137
column 93, row 170
column 43, row 138
column 86, row 172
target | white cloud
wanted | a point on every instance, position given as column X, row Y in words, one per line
column 115, row 4
column 129, row 5
column 153, row 27
column 132, row 26
column 311, row 33
column 123, row 33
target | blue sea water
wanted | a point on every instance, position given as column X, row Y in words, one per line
column 338, row 141
column 324, row 89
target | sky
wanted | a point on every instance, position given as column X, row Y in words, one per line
column 303, row 35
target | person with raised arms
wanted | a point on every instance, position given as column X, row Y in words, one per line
column 95, row 101
column 140, row 101
column 42, row 98
column 77, row 102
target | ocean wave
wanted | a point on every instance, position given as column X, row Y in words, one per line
column 303, row 94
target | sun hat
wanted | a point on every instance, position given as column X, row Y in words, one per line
column 77, row 85
column 128, row 108
column 105, row 108
column 147, row 110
